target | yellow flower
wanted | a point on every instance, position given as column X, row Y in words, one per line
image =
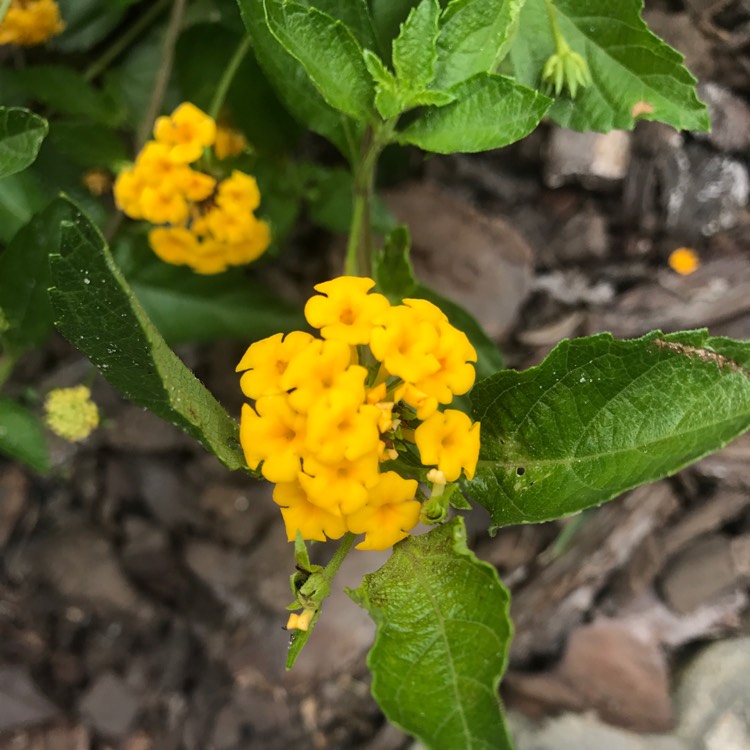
column 684, row 260
column 340, row 487
column 155, row 165
column 250, row 247
column 390, row 514
column 238, row 193
column 164, row 206
column 30, row 22
column 174, row 245
column 319, row 366
column 187, row 132
column 230, row 225
column 70, row 412
column 346, row 312
column 405, row 343
column 195, row 186
column 265, row 362
column 273, row 433
column 229, row 142
column 97, row 181
column 209, row 258
column 340, row 426
column 300, row 621
column 299, row 514
column 449, row 440
column 127, row 190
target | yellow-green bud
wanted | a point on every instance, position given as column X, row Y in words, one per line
column 70, row 412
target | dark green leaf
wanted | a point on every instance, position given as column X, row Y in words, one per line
column 24, row 279
column 490, row 111
column 414, row 52
column 387, row 17
column 202, row 54
column 22, row 436
column 293, row 85
column 474, row 37
column 600, row 416
column 89, row 144
column 186, row 306
column 442, row 640
column 65, row 91
column 21, row 135
column 87, row 22
column 327, row 51
column 96, row 310
column 630, row 66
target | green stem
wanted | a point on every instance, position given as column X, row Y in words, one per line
column 339, row 556
column 561, row 46
column 4, row 5
column 228, row 76
column 122, row 43
column 163, row 72
column 359, row 248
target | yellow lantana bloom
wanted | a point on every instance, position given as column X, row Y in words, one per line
column 30, row 22
column 299, row 514
column 344, row 310
column 449, row 440
column 187, row 131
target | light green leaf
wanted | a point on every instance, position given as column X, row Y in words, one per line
column 22, row 436
column 442, row 640
column 24, row 280
column 21, row 135
column 97, row 312
column 328, row 52
column 186, row 306
column 600, row 416
column 630, row 66
column 354, row 14
column 293, row 85
column 490, row 111
column 474, row 37
column 414, row 51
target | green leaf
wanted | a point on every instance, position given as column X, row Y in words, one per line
column 490, row 111
column 21, row 196
column 87, row 22
column 22, row 436
column 88, row 144
column 24, row 280
column 186, row 306
column 97, row 312
column 414, row 51
column 630, row 66
column 293, row 85
column 203, row 52
column 387, row 17
column 354, row 14
column 474, row 37
column 21, row 135
column 329, row 53
column 442, row 640
column 600, row 416
column 66, row 91
column 395, row 278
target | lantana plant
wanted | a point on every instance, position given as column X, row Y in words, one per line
column 370, row 420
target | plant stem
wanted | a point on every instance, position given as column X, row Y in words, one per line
column 339, row 555
column 165, row 69
column 122, row 43
column 561, row 46
column 359, row 248
column 228, row 76
column 4, row 5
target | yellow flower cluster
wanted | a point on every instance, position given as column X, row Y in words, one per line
column 30, row 22
column 70, row 412
column 210, row 224
column 329, row 411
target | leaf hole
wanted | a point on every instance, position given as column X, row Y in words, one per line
column 520, row 471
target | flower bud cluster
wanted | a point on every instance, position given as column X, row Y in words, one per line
column 209, row 224
column 70, row 412
column 30, row 22
column 337, row 420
